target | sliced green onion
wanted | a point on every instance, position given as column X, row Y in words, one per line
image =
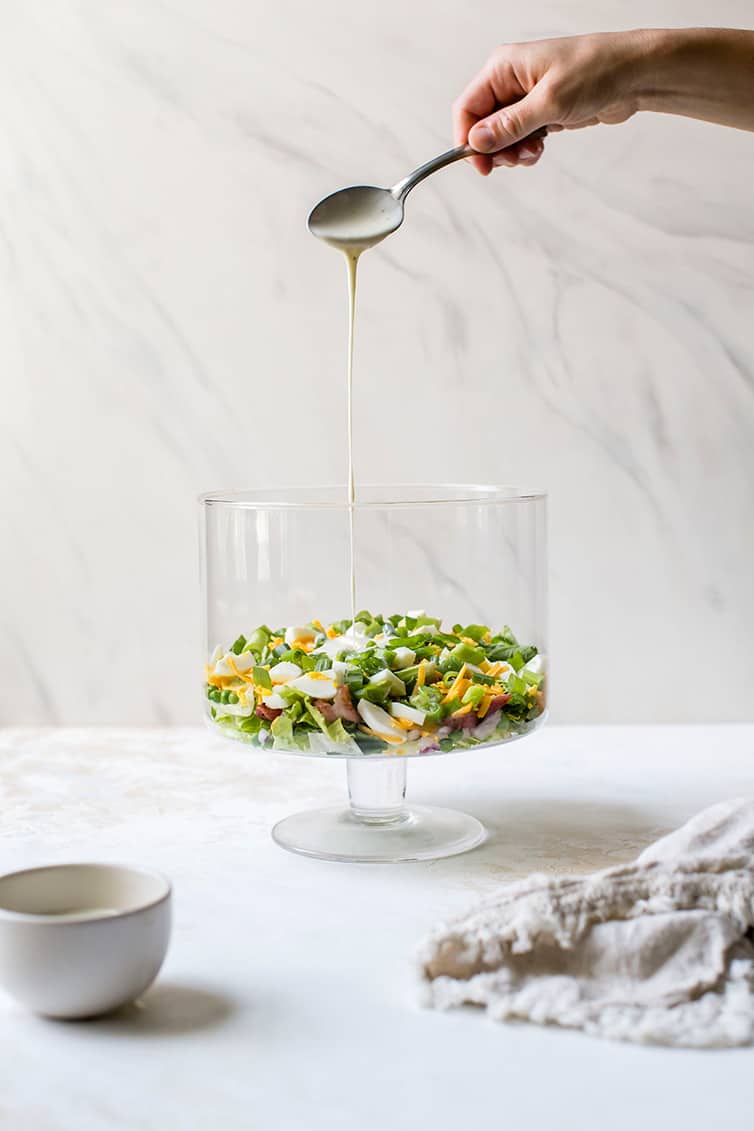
column 262, row 677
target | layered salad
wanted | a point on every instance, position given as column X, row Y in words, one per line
column 401, row 684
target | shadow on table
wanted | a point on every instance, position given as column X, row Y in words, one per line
column 557, row 837
column 170, row 1009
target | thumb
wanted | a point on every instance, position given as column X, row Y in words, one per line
column 511, row 123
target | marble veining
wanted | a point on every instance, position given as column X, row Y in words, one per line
column 585, row 326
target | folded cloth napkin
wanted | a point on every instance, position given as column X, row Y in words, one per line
column 660, row 951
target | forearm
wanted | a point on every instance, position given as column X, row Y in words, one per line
column 705, row 73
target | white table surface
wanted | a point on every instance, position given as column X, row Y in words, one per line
column 288, row 999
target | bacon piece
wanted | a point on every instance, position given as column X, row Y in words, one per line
column 341, row 707
column 462, row 722
column 466, row 722
column 268, row 713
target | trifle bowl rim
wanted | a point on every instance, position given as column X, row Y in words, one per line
column 438, row 495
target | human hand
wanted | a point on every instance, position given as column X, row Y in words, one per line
column 559, row 83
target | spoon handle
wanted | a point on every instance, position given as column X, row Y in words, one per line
column 401, row 190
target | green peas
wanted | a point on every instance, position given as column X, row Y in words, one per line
column 224, row 697
column 232, row 697
column 214, row 694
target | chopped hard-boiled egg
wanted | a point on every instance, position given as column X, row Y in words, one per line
column 353, row 639
column 333, row 646
column 410, row 714
column 386, row 678
column 244, row 662
column 277, row 702
column 535, row 664
column 222, row 667
column 284, row 671
column 318, row 685
column 217, row 654
column 378, row 720
column 404, row 658
column 299, row 635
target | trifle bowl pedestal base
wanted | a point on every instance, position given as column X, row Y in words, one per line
column 378, row 827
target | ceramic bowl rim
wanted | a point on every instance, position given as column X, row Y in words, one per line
column 7, row 915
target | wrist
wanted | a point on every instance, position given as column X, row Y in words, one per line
column 656, row 62
column 682, row 70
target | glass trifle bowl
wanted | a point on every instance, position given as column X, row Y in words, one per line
column 446, row 652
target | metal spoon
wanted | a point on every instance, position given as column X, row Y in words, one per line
column 363, row 215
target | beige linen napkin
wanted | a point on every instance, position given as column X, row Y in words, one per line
column 660, row 951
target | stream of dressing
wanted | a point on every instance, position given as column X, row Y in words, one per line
column 352, row 231
column 352, row 262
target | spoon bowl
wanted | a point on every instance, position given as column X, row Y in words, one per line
column 356, row 217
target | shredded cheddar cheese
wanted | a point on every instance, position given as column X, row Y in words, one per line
column 458, row 686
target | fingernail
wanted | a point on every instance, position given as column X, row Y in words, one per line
column 527, row 151
column 483, row 139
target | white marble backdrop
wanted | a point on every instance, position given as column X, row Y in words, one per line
column 168, row 326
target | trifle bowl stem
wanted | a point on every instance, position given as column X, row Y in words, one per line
column 378, row 827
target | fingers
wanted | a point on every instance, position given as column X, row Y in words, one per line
column 482, row 164
column 523, row 153
column 463, row 120
column 512, row 123
column 486, row 91
column 464, row 117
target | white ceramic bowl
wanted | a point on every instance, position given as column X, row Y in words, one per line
column 78, row 940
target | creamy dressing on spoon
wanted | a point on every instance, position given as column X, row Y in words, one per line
column 361, row 218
